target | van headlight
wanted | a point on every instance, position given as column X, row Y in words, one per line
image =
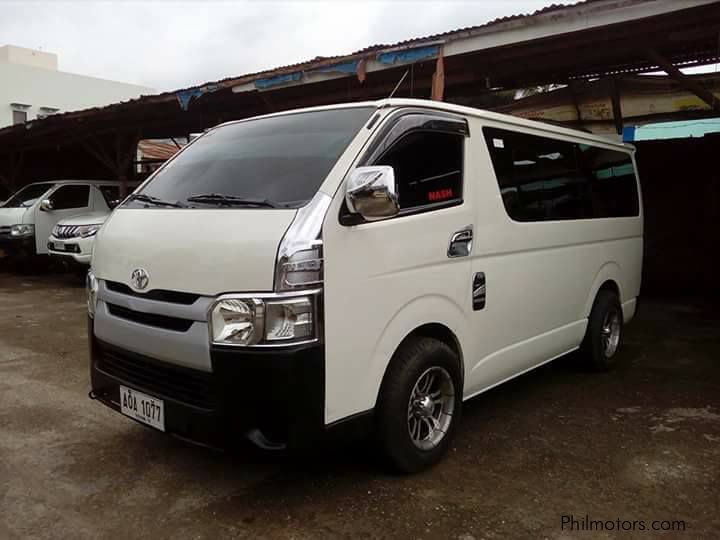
column 289, row 320
column 263, row 321
column 22, row 230
column 91, row 288
column 236, row 321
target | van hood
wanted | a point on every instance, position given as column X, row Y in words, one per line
column 201, row 251
column 91, row 218
column 11, row 216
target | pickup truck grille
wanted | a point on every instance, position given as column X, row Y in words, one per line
column 66, row 231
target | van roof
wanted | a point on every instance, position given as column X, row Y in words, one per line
column 459, row 109
column 504, row 118
column 92, row 182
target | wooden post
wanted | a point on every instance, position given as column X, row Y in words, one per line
column 616, row 108
column 438, row 78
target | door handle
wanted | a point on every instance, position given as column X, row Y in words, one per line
column 461, row 243
column 479, row 293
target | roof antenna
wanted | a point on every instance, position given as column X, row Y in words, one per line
column 398, row 84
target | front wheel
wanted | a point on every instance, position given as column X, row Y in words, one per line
column 604, row 332
column 419, row 405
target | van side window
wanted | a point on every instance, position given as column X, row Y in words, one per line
column 428, row 168
column 68, row 197
column 612, row 180
column 544, row 179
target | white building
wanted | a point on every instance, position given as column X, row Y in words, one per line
column 31, row 86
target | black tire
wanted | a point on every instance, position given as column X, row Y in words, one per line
column 594, row 349
column 410, row 362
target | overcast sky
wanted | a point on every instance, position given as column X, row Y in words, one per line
column 168, row 45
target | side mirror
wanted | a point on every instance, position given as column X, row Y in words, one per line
column 46, row 205
column 371, row 192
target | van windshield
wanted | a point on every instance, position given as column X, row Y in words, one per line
column 277, row 162
column 27, row 196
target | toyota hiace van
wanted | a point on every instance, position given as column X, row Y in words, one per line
column 360, row 269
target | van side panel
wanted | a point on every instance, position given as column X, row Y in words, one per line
column 383, row 280
column 541, row 279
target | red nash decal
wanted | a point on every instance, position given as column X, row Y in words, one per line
column 440, row 195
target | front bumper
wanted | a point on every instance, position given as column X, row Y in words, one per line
column 14, row 246
column 74, row 249
column 278, row 391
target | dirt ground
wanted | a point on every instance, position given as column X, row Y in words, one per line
column 640, row 443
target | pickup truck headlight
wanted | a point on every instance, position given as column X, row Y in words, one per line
column 87, row 231
column 263, row 321
column 22, row 230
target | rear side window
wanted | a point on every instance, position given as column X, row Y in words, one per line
column 68, row 197
column 613, row 185
column 428, row 168
column 545, row 179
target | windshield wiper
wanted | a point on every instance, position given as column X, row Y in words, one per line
column 231, row 200
column 153, row 200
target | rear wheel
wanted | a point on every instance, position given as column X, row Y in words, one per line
column 419, row 405
column 604, row 332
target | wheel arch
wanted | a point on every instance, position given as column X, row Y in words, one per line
column 607, row 278
column 408, row 323
column 441, row 333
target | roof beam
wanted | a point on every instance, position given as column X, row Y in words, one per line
column 683, row 80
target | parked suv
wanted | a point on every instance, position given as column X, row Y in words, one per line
column 360, row 268
column 29, row 216
column 72, row 239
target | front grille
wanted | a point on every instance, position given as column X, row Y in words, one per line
column 159, row 295
column 5, row 231
column 66, row 231
column 150, row 319
column 157, row 378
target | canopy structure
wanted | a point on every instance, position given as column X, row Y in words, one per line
column 479, row 66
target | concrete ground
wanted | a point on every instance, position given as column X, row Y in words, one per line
column 640, row 443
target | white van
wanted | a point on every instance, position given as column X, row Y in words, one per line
column 29, row 216
column 360, row 268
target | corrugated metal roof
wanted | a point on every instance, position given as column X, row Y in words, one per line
column 464, row 32
column 321, row 61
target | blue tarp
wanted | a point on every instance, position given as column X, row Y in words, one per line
column 184, row 96
column 407, row 56
column 262, row 84
column 344, row 67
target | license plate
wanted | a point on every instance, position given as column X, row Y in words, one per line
column 141, row 407
column 59, row 246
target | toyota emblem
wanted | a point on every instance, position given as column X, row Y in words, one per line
column 140, row 278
